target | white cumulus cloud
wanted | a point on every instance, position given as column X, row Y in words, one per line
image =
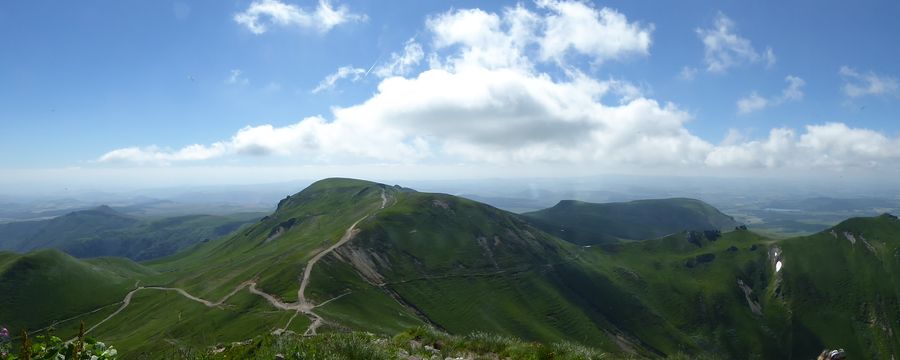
column 557, row 29
column 830, row 145
column 754, row 102
column 602, row 33
column 724, row 48
column 263, row 14
column 870, row 83
column 751, row 103
column 403, row 63
column 344, row 72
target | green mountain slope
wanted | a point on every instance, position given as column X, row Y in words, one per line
column 465, row 266
column 694, row 280
column 843, row 287
column 422, row 258
column 589, row 223
column 835, row 289
column 40, row 288
column 106, row 232
column 271, row 254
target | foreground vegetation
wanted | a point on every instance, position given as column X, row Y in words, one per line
column 417, row 343
column 48, row 347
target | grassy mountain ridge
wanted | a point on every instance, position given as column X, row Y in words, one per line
column 592, row 223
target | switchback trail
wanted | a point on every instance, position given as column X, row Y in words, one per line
column 207, row 303
column 303, row 305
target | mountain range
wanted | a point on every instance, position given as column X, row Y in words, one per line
column 104, row 231
column 669, row 277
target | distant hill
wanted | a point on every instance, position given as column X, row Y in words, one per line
column 586, row 223
column 103, row 231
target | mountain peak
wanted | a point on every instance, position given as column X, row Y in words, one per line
column 568, row 203
column 587, row 223
column 337, row 182
column 324, row 187
column 888, row 216
column 859, row 224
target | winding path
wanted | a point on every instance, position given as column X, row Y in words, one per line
column 303, row 305
column 207, row 303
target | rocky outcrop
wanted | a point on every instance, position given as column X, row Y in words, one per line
column 754, row 305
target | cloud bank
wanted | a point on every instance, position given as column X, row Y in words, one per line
column 472, row 92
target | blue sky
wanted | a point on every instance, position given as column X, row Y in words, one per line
column 81, row 80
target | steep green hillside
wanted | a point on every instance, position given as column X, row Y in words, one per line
column 106, row 232
column 268, row 257
column 835, row 289
column 589, row 223
column 43, row 287
column 707, row 285
column 843, row 287
column 465, row 266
